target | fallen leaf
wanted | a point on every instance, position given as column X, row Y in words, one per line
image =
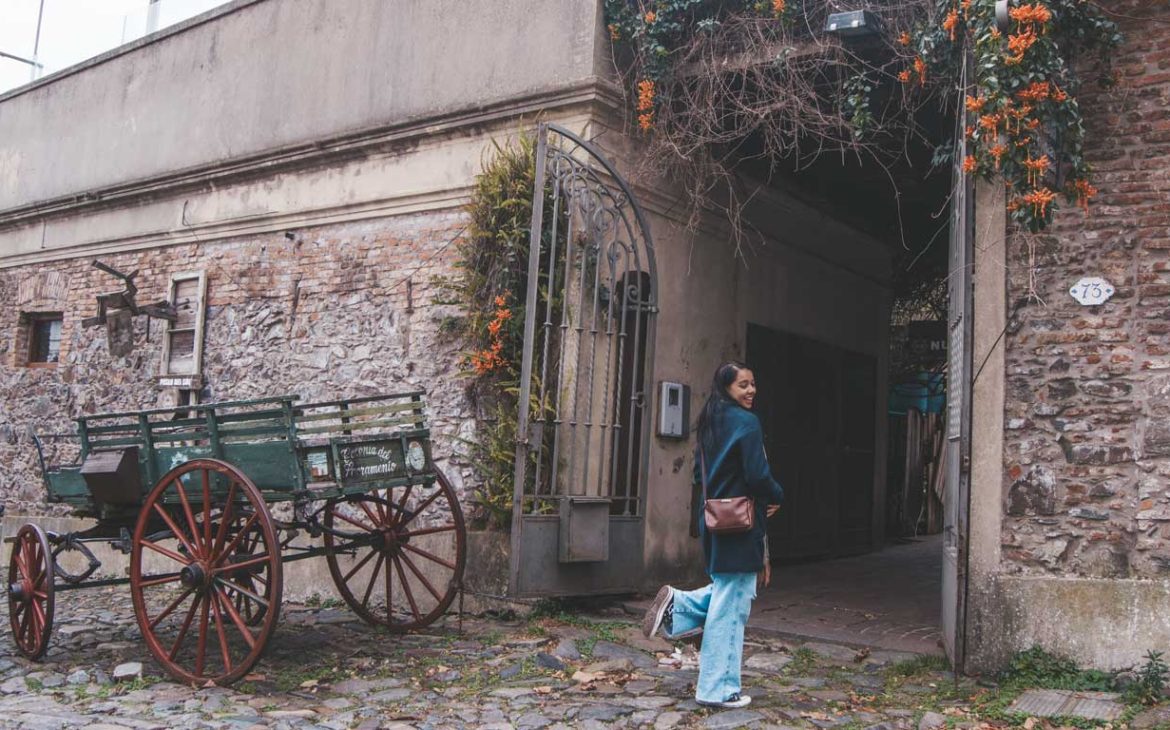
column 1029, row 723
column 542, row 690
column 309, row 684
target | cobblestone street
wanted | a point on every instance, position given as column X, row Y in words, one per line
column 326, row 669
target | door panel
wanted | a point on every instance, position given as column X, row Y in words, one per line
column 816, row 403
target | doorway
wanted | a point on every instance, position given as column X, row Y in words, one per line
column 817, row 405
column 837, row 575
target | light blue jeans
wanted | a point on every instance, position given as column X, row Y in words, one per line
column 721, row 608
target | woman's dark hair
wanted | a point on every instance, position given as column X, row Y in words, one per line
column 717, row 402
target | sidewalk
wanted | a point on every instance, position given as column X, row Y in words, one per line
column 889, row 599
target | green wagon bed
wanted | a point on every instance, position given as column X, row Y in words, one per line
column 287, row 449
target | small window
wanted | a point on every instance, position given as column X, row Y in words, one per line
column 183, row 346
column 44, row 338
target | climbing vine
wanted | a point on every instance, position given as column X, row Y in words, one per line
column 708, row 75
column 489, row 290
column 491, row 273
column 1024, row 122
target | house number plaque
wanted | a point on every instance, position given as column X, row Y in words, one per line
column 1091, row 290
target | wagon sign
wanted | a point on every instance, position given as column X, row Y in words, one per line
column 363, row 462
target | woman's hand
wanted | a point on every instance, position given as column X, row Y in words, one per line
column 764, row 577
column 773, row 509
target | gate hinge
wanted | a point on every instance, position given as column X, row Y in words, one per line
column 965, row 463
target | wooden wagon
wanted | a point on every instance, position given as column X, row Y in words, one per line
column 210, row 501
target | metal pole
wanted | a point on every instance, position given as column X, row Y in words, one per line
column 36, row 67
column 152, row 17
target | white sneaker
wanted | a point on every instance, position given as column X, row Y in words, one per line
column 731, row 703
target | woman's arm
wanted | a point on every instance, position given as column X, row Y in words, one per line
column 756, row 471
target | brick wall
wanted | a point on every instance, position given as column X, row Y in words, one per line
column 1087, row 448
column 330, row 312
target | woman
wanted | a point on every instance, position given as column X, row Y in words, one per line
column 731, row 447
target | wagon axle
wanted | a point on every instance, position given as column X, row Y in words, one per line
column 194, row 576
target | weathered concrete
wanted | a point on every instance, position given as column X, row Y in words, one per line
column 269, row 75
column 987, row 420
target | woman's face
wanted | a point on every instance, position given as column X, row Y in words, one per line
column 743, row 389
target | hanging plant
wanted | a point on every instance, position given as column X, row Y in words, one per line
column 489, row 290
column 491, row 264
column 1025, row 126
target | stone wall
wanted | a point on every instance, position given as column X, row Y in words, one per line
column 1087, row 448
column 344, row 310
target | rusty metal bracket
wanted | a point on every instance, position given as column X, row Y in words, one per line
column 126, row 300
column 68, row 543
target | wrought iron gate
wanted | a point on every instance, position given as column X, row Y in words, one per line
column 582, row 451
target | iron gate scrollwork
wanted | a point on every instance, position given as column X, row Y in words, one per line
column 588, row 337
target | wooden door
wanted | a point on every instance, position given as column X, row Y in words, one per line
column 816, row 404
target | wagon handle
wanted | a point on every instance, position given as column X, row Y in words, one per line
column 40, row 455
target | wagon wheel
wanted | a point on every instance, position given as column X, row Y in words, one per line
column 204, row 535
column 30, row 591
column 407, row 565
column 252, row 581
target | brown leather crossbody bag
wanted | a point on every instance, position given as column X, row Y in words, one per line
column 728, row 516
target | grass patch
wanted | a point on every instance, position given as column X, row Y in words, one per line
column 803, row 660
column 318, row 601
column 1036, row 668
column 919, row 665
column 292, row 679
column 491, row 638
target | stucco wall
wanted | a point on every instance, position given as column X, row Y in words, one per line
column 278, row 73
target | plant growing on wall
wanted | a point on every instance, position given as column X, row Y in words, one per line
column 1024, row 122
column 715, row 80
column 489, row 289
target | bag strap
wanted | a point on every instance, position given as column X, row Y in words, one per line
column 703, row 470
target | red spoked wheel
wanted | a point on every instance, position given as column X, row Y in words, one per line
column 403, row 564
column 204, row 543
column 252, row 582
column 30, row 592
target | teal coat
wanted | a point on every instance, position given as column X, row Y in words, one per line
column 737, row 466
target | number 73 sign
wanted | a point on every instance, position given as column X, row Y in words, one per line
column 1091, row 290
